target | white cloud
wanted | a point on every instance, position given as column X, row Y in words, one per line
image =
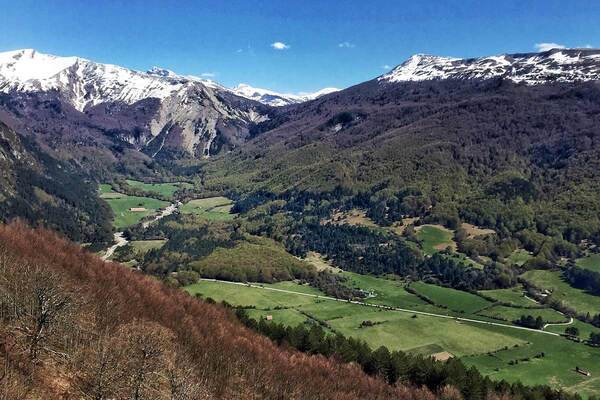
column 548, row 46
column 208, row 74
column 346, row 45
column 280, row 46
column 385, row 66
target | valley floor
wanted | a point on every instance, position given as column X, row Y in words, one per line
column 402, row 321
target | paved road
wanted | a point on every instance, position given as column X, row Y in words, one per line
column 476, row 321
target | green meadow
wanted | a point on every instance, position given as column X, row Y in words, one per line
column 455, row 300
column 212, row 208
column 519, row 257
column 435, row 238
column 512, row 296
column 144, row 246
column 513, row 313
column 590, row 262
column 562, row 291
column 500, row 352
column 164, row 189
column 122, row 203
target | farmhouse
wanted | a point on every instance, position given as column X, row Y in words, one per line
column 269, row 318
column 137, row 209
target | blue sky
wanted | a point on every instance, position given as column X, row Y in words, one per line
column 322, row 43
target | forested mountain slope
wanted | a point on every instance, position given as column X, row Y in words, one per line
column 475, row 148
column 49, row 192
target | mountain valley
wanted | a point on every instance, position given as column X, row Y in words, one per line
column 431, row 233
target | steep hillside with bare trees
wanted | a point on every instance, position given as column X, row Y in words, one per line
column 73, row 326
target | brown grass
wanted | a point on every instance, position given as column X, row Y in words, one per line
column 474, row 231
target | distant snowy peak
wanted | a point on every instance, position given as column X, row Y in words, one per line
column 264, row 96
column 556, row 65
column 80, row 81
column 86, row 83
column 192, row 112
column 83, row 82
column 276, row 99
column 162, row 72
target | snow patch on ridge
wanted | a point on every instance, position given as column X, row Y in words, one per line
column 276, row 99
column 556, row 65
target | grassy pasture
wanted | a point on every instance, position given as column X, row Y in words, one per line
column 513, row 313
column 163, row 189
column 590, row 262
column 287, row 316
column 397, row 330
column 513, row 296
column 455, row 300
column 435, row 238
column 247, row 296
column 403, row 332
column 386, row 291
column 556, row 368
column 562, row 291
column 144, row 246
column 212, row 208
column 121, row 203
column 465, row 260
column 426, row 335
column 519, row 257
column 584, row 329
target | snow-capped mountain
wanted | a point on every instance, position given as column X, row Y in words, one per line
column 556, row 65
column 81, row 81
column 276, row 99
column 197, row 111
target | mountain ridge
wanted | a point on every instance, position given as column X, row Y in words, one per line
column 277, row 99
column 555, row 65
column 29, row 70
column 190, row 115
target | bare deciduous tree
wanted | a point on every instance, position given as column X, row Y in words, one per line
column 36, row 304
